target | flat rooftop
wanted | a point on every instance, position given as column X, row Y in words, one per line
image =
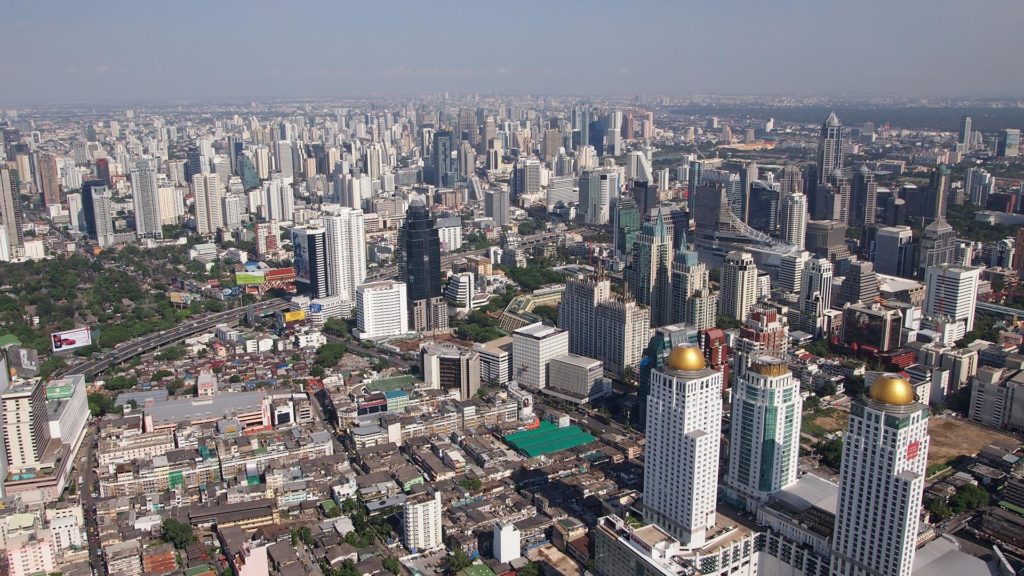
column 538, row 331
column 547, row 439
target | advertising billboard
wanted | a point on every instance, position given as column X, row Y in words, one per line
column 294, row 316
column 179, row 297
column 315, row 307
column 71, row 339
column 248, row 278
column 301, row 260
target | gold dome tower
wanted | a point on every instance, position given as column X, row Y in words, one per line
column 687, row 358
column 892, row 389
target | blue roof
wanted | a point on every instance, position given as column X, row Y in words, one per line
column 395, row 393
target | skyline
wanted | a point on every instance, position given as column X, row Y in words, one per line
column 234, row 51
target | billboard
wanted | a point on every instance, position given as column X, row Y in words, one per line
column 294, row 316
column 248, row 278
column 71, row 339
column 315, row 307
column 301, row 260
column 179, row 297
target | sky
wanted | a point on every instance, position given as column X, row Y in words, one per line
column 143, row 51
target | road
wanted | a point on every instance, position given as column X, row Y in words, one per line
column 86, row 466
column 132, row 348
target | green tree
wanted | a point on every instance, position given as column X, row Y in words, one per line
column 968, row 497
column 831, row 452
column 330, row 354
column 471, row 484
column 727, row 322
column 457, row 560
column 177, row 533
column 392, row 565
column 938, row 508
column 51, row 365
column 531, row 569
column 100, row 404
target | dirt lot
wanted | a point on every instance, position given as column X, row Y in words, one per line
column 952, row 437
column 823, row 421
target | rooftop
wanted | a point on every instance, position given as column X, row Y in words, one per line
column 548, row 438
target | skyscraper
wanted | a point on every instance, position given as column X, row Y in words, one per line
column 496, row 206
column 684, row 423
column 881, row 481
column 146, row 196
column 526, row 179
column 443, row 161
column 693, row 302
column 894, row 251
column 830, row 148
column 739, row 286
column 815, row 295
column 311, row 259
column 533, row 347
column 621, row 329
column 952, row 291
column 577, row 313
column 864, row 200
column 283, row 155
column 597, row 188
column 207, row 192
column 938, row 246
column 860, row 284
column 793, row 219
column 764, row 443
column 1008, row 144
column 346, row 250
column 10, row 212
column 103, row 215
column 649, row 274
column 419, row 262
column 965, row 134
column 627, row 225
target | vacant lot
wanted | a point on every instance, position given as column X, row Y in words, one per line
column 824, row 421
column 952, row 437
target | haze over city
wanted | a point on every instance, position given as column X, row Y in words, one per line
column 153, row 52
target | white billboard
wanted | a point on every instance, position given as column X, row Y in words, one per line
column 71, row 339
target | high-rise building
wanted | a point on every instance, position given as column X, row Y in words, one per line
column 419, row 262
column 103, row 216
column 792, row 180
column 881, row 481
column 75, row 213
column 764, row 442
column 146, row 196
column 951, row 292
column 533, row 346
column 496, row 206
column 447, row 367
column 597, row 188
column 979, row 185
column 627, row 225
column 764, row 333
column 793, row 219
column 830, row 149
column 10, row 212
column 208, row 193
column 381, row 310
column 894, row 251
column 864, row 198
column 346, row 250
column 815, row 296
column 526, row 179
column 871, row 327
column 49, row 178
column 1008, row 144
column 684, row 423
column 311, row 259
column 739, row 286
column 577, row 313
column 965, row 134
column 860, row 284
column 693, row 302
column 650, row 273
column 621, row 328
column 26, row 429
column 421, row 522
column 645, row 194
column 283, row 157
column 827, row 239
column 938, row 246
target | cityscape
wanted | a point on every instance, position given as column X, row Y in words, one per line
column 418, row 328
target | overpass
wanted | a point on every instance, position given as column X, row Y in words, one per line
column 127, row 350
column 998, row 310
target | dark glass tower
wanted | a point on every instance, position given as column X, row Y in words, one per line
column 88, row 208
column 420, row 254
column 446, row 168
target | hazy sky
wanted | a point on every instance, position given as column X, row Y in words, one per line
column 189, row 49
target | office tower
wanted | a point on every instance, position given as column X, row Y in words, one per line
column 693, row 302
column 597, row 188
column 815, row 296
column 793, row 219
column 561, row 189
column 533, row 346
column 881, row 482
column 447, row 367
column 764, row 442
column 965, row 134
column 827, row 239
column 443, row 161
column 103, row 171
column 790, row 273
column 684, row 422
column 419, row 262
column 830, row 149
column 466, row 160
column 1008, row 144
column 233, row 207
column 729, row 182
column 103, row 216
column 460, row 290
column 345, row 242
column 938, row 246
column 207, row 194
column 894, row 251
column 311, row 259
column 49, row 178
column 646, row 196
column 10, row 211
column 552, row 142
column 88, row 204
column 381, row 309
column 626, row 225
column 577, row 309
column 979, row 185
column 792, row 180
column 247, row 170
column 952, row 291
column 261, row 155
column 864, row 199
column 421, row 522
column 526, row 178
column 860, row 284
column 938, row 185
column 871, row 328
column 26, row 427
column 739, row 286
column 146, row 196
column 638, row 167
column 621, row 330
column 763, row 206
column 650, row 273
column 496, row 206
column 283, row 158
column 75, row 214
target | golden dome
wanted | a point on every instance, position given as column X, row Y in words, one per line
column 892, row 389
column 686, row 357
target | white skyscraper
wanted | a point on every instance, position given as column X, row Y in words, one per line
column 381, row 309
column 739, row 285
column 815, row 294
column 234, row 207
column 103, row 215
column 881, row 482
column 283, row 155
column 793, row 219
column 421, row 522
column 207, row 192
column 75, row 212
column 764, row 442
column 146, row 195
column 346, row 250
column 533, row 347
column 952, row 291
column 684, row 425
